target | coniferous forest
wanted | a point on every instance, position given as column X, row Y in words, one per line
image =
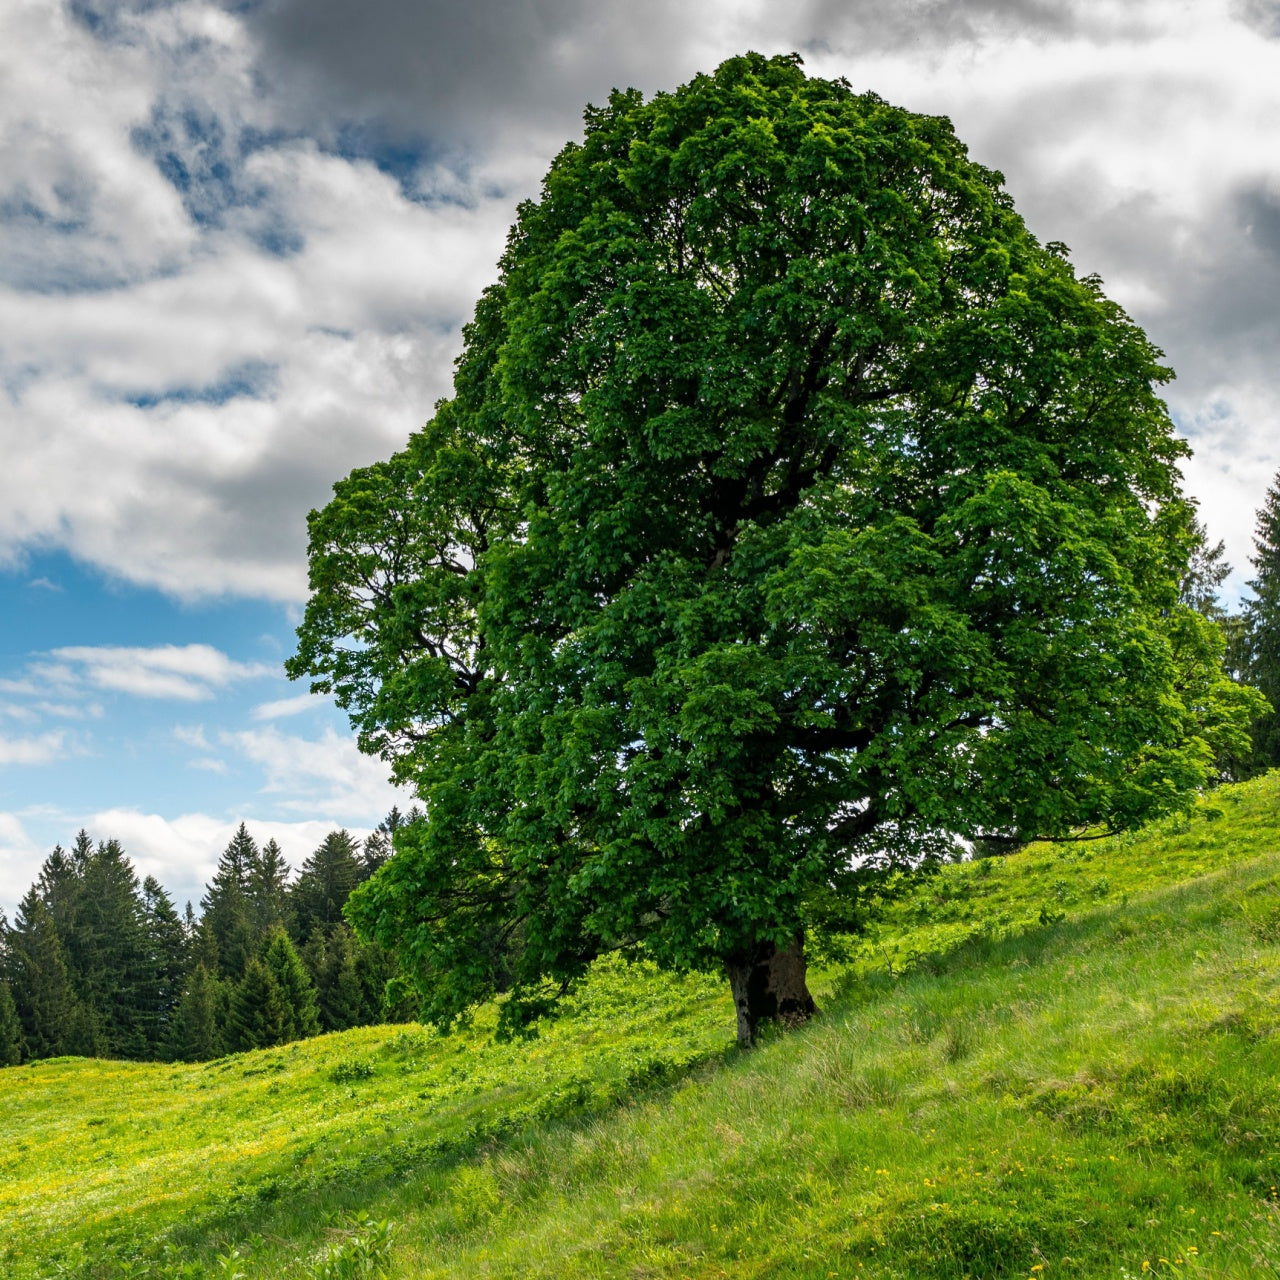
column 99, row 963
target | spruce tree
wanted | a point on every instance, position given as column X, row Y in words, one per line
column 286, row 966
column 269, row 887
column 375, row 850
column 48, row 1011
column 109, row 953
column 1262, row 628
column 11, row 1046
column 166, row 941
column 1207, row 570
column 324, row 883
column 60, row 883
column 196, row 1034
column 341, row 992
column 274, row 1002
column 91, row 894
column 259, row 1017
column 227, row 907
column 10, row 1028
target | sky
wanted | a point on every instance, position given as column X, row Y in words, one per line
column 238, row 242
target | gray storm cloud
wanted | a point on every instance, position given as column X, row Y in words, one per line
column 1261, row 15
column 454, row 72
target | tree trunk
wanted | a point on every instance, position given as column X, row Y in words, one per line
column 768, row 986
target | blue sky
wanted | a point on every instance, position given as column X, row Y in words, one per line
column 237, row 244
column 163, row 723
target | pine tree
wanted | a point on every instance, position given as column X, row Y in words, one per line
column 259, row 1017
column 275, row 1002
column 1262, row 628
column 109, row 953
column 375, row 850
column 47, row 1008
column 341, row 992
column 196, row 1034
column 166, row 941
column 269, row 887
column 92, row 897
column 227, row 907
column 11, row 1046
column 324, row 884
column 10, row 1028
column 1207, row 570
column 60, row 882
column 286, row 966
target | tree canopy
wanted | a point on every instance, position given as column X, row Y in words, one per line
column 795, row 513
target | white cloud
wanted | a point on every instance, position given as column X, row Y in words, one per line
column 42, row 749
column 70, row 710
column 1236, row 436
column 19, row 860
column 210, row 764
column 212, row 304
column 283, row 707
column 325, row 775
column 192, row 736
column 189, row 672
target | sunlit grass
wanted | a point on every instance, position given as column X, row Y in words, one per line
column 984, row 1095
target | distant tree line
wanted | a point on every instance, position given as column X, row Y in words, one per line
column 97, row 963
column 1253, row 633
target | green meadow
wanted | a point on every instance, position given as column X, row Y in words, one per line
column 1060, row 1063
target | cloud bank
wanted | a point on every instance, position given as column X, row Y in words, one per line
column 237, row 242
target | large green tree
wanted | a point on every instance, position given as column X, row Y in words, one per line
column 795, row 512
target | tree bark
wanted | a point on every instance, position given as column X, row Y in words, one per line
column 768, row 985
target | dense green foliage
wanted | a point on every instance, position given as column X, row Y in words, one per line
column 983, row 1095
column 97, row 964
column 793, row 502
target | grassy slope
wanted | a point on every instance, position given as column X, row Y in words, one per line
column 985, row 1095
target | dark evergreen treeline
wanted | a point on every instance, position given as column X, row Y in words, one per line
column 99, row 963
column 1256, row 637
column 1253, row 634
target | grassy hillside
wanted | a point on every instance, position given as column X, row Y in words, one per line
column 1062, row 1063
